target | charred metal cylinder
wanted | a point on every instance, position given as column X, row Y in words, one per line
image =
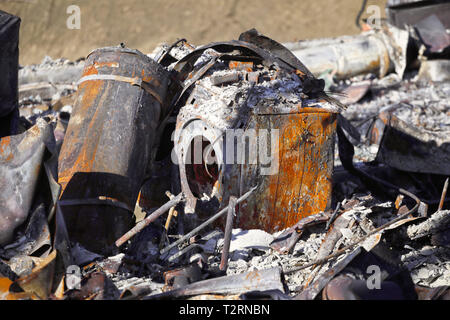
column 345, row 56
column 109, row 143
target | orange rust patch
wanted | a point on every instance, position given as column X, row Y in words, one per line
column 375, row 64
column 300, row 73
column 106, row 64
column 253, row 275
column 365, row 27
column 146, row 78
column 385, row 117
column 89, row 92
column 241, row 65
column 4, row 143
column 90, row 70
column 5, row 283
column 302, row 186
column 149, row 78
column 5, row 294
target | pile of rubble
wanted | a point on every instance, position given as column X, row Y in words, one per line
column 105, row 197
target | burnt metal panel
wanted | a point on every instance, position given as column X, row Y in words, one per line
column 409, row 148
column 21, row 159
column 401, row 14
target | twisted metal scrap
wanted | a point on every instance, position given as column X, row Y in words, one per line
column 350, row 246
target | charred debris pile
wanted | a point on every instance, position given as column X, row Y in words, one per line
column 228, row 171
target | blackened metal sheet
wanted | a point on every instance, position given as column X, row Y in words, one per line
column 21, row 159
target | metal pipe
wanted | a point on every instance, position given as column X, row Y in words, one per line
column 261, row 280
column 444, row 193
column 66, row 74
column 206, row 223
column 167, row 224
column 144, row 223
column 333, row 216
column 345, row 56
column 193, row 245
column 228, row 229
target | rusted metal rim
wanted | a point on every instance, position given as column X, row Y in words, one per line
column 300, row 110
column 96, row 201
column 122, row 50
column 184, row 137
column 147, row 86
column 184, row 65
column 135, row 81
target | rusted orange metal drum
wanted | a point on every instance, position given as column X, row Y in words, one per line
column 109, row 144
column 297, row 185
column 302, row 184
